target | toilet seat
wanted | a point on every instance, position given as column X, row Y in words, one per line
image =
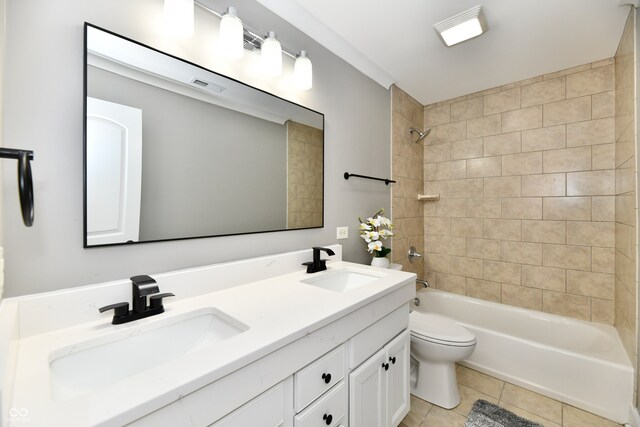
column 439, row 329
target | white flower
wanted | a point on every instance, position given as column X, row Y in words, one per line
column 364, row 226
column 385, row 221
column 375, row 246
column 370, row 236
column 385, row 233
column 374, row 221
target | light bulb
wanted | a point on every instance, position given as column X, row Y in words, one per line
column 232, row 34
column 303, row 71
column 178, row 17
column 271, row 55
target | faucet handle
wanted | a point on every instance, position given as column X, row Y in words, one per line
column 155, row 301
column 119, row 309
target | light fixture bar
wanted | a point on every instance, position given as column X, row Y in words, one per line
column 461, row 27
column 251, row 36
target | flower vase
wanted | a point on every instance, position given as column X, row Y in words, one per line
column 380, row 262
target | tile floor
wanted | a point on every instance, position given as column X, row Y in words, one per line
column 474, row 385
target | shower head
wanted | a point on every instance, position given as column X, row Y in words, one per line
column 421, row 135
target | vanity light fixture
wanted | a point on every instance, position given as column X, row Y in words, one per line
column 461, row 27
column 232, row 34
column 303, row 71
column 178, row 17
column 271, row 55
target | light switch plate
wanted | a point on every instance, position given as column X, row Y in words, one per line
column 342, row 233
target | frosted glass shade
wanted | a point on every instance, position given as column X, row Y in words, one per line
column 271, row 55
column 232, row 34
column 178, row 17
column 303, row 72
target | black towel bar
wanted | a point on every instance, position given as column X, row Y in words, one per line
column 25, row 181
column 387, row 181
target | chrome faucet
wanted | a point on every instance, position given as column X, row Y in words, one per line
column 141, row 287
column 318, row 264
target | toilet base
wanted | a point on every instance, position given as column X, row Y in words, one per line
column 436, row 383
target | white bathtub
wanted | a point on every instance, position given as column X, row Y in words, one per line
column 579, row 363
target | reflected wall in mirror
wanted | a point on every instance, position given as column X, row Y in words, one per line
column 175, row 151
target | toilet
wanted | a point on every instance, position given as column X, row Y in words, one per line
column 437, row 342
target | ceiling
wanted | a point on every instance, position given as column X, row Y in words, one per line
column 394, row 42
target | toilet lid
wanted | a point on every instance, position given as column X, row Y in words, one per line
column 431, row 325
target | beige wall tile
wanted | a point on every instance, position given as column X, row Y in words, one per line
column 591, row 233
column 565, row 256
column 505, row 100
column 567, row 208
column 438, row 262
column 566, row 160
column 521, row 296
column 454, row 169
column 523, row 253
column 603, row 156
column 486, row 166
column 544, row 231
column 502, row 229
column 567, row 71
column 437, row 116
column 467, row 109
column 437, row 226
column 484, row 248
column 503, row 272
column 467, row 267
column 601, row 131
column 522, row 208
column 484, row 126
column 576, row 306
column 506, row 143
column 596, row 183
column 602, row 311
column 544, row 92
column 451, row 283
column 533, row 402
column 466, row 227
column 603, row 105
column 484, row 208
column 544, row 138
column 603, row 208
column 544, row 185
column 451, row 132
column 603, row 62
column 467, row 149
column 522, row 164
column 569, row 111
column 485, row 290
column 598, row 285
column 526, row 118
column 508, row 186
column 445, row 245
column 597, row 80
column 437, row 152
column 553, row 279
column 464, row 188
column 603, row 260
column 522, row 83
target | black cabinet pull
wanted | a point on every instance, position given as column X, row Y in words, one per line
column 326, row 378
column 327, row 419
column 392, row 360
column 385, row 366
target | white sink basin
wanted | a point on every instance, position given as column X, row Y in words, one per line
column 131, row 349
column 342, row 280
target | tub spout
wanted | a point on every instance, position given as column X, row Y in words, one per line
column 424, row 283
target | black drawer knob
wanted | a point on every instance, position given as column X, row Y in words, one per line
column 392, row 360
column 327, row 419
column 326, row 378
column 385, row 366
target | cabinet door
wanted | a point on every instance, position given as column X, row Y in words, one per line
column 397, row 379
column 367, row 405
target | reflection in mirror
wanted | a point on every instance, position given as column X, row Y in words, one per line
column 175, row 151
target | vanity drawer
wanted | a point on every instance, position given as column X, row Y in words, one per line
column 331, row 407
column 318, row 377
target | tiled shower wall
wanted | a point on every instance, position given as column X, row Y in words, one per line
column 526, row 178
column 625, row 190
column 406, row 211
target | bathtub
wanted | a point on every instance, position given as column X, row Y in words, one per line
column 576, row 362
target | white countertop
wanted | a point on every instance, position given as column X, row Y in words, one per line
column 278, row 311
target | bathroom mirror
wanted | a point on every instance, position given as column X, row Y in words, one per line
column 175, row 151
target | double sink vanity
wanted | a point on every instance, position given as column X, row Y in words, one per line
column 257, row 342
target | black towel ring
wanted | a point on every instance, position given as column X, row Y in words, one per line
column 25, row 181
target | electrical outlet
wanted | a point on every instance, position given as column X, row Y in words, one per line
column 342, row 233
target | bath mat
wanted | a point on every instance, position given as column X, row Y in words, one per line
column 485, row 414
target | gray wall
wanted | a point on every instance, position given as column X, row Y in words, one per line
column 203, row 166
column 43, row 112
